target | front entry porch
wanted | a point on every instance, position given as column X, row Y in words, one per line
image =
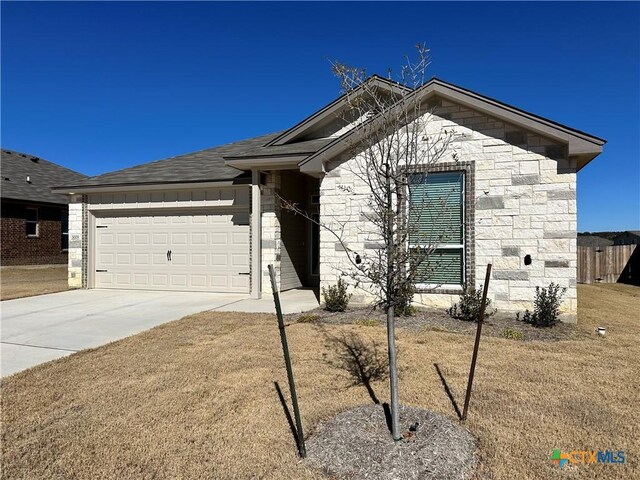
column 286, row 239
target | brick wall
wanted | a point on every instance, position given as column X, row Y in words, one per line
column 19, row 249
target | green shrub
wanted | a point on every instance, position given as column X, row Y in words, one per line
column 403, row 300
column 308, row 318
column 513, row 334
column 546, row 306
column 468, row 309
column 367, row 322
column 336, row 297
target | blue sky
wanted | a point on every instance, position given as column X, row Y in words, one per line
column 102, row 86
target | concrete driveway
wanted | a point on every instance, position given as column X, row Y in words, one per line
column 38, row 329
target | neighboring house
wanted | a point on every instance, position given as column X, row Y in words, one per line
column 34, row 220
column 593, row 241
column 211, row 220
column 630, row 237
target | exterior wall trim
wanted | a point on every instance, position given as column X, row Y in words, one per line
column 255, row 235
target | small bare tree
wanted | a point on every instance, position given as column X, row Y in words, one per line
column 392, row 143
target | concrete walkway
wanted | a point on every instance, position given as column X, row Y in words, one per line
column 38, row 329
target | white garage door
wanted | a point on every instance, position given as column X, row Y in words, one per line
column 191, row 252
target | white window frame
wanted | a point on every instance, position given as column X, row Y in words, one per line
column 36, row 221
column 462, row 246
column 63, row 233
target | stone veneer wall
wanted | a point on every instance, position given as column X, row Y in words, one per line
column 77, row 242
column 271, row 242
column 525, row 204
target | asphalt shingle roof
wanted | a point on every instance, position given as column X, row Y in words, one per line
column 305, row 147
column 15, row 167
column 201, row 166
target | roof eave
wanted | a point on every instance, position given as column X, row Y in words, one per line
column 135, row 186
column 266, row 162
column 330, row 109
column 579, row 143
column 581, row 146
column 34, row 201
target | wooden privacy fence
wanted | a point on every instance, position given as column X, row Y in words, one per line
column 612, row 264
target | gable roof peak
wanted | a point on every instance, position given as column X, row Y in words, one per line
column 331, row 110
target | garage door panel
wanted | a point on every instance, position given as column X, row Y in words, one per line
column 158, row 239
column 220, row 281
column 106, row 239
column 159, row 280
column 219, row 260
column 178, row 279
column 199, row 238
column 219, row 238
column 123, row 239
column 199, row 259
column 179, row 239
column 105, row 279
column 209, row 252
column 198, row 280
column 178, row 259
column 142, row 239
column 239, row 260
column 240, row 238
column 141, row 259
column 141, row 280
column 240, row 282
column 123, row 279
column 106, row 259
column 179, row 220
column 123, row 259
column 159, row 259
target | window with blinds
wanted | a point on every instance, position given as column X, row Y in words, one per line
column 436, row 222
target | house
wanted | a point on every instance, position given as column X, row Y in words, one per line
column 34, row 220
column 593, row 241
column 212, row 220
column 630, row 237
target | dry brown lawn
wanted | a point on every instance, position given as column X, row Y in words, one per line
column 17, row 282
column 195, row 398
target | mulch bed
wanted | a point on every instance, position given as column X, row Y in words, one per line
column 356, row 444
column 439, row 320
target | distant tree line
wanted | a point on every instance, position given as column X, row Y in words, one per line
column 607, row 235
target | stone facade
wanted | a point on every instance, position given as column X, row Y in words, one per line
column 524, row 202
column 77, row 242
column 271, row 240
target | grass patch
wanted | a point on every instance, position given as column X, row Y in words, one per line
column 367, row 322
column 195, row 398
column 513, row 334
column 307, row 318
column 18, row 282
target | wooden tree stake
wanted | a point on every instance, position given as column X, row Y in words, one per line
column 472, row 371
column 287, row 361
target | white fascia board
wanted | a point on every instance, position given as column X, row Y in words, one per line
column 266, row 163
column 147, row 187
